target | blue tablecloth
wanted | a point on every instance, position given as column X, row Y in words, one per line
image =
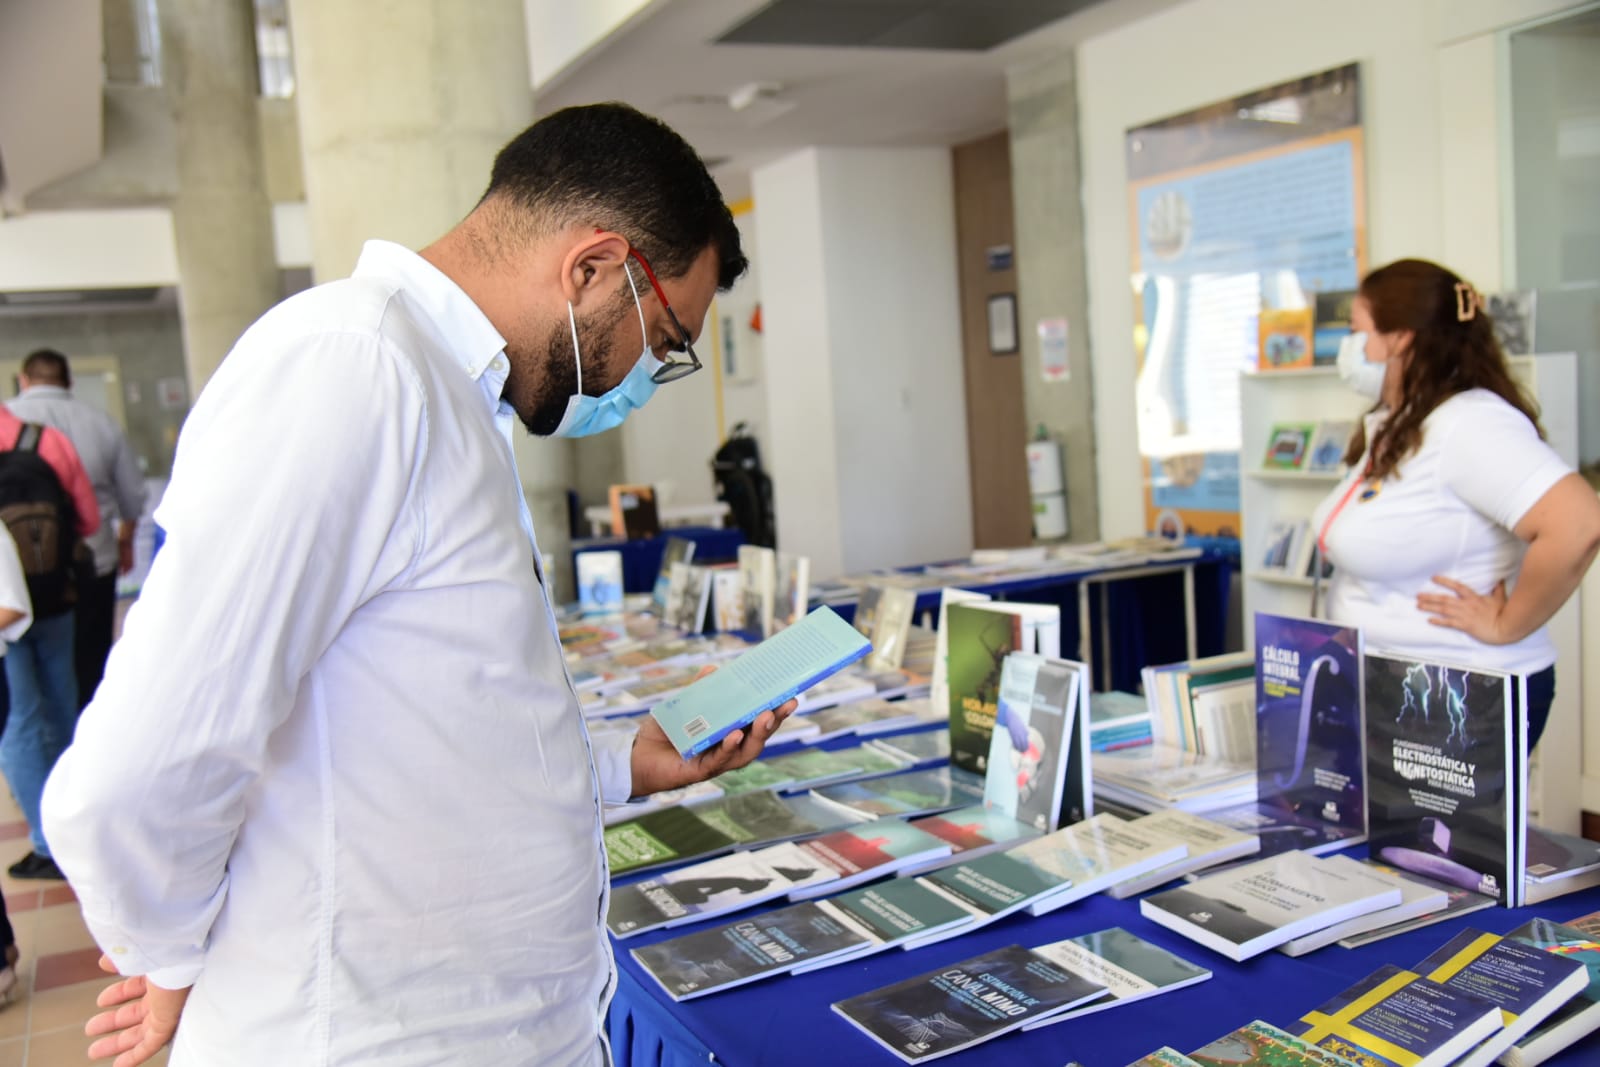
column 787, row 1021
column 641, row 559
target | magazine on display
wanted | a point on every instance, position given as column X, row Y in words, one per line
column 963, row 1004
column 978, row 643
column 1035, row 727
column 904, row 795
column 939, row 681
column 1528, row 984
column 1396, row 1018
column 706, row 890
column 793, row 595
column 1130, row 968
column 1287, row 444
column 633, row 512
column 1260, row 1044
column 1442, row 767
column 727, row 600
column 689, row 597
column 1248, row 910
column 758, row 582
column 1285, row 336
column 762, row 678
column 676, row 550
column 971, row 832
column 866, row 614
column 1558, row 864
column 1458, row 902
column 1327, row 447
column 1416, row 900
column 865, row 717
column 992, row 887
column 709, row 961
column 1097, row 854
column 892, row 913
column 1158, row 777
column 924, row 746
column 677, row 835
column 859, row 854
column 891, row 628
column 1310, row 769
column 1579, row 1017
column 599, row 582
column 1208, row 843
column 1164, row 1057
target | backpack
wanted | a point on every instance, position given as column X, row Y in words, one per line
column 43, row 523
column 745, row 487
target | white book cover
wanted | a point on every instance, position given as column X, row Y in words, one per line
column 1208, row 843
column 758, row 580
column 1245, row 911
column 1415, row 899
column 599, row 582
column 1113, row 848
column 727, row 600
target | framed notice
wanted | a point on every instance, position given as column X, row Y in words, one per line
column 1003, row 323
column 1249, row 205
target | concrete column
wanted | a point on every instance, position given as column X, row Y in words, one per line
column 866, row 438
column 402, row 107
column 1046, row 188
column 222, row 221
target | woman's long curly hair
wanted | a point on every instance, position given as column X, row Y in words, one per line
column 1453, row 349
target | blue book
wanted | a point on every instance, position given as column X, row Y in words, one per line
column 774, row 671
column 1525, row 982
column 1309, row 760
column 1396, row 1018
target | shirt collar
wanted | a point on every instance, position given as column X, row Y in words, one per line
column 46, row 390
column 464, row 326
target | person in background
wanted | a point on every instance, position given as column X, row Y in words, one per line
column 41, row 471
column 335, row 802
column 47, row 399
column 16, row 614
column 1458, row 532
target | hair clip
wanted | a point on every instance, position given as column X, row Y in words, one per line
column 1468, row 301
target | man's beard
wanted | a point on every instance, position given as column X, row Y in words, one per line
column 555, row 381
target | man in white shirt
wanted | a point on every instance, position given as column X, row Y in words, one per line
column 47, row 399
column 335, row 802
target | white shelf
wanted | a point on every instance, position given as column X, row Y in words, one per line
column 1281, row 578
column 1315, row 477
column 1326, row 371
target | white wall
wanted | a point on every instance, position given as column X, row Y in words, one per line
column 88, row 249
column 1432, row 155
column 862, row 363
column 744, row 399
column 801, row 451
column 560, row 31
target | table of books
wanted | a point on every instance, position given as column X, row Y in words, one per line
column 788, row 1020
column 641, row 559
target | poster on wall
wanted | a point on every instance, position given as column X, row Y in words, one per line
column 1249, row 205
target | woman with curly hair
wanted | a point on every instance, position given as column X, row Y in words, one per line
column 1458, row 532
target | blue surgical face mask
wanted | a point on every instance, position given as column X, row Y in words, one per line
column 586, row 415
column 1356, row 371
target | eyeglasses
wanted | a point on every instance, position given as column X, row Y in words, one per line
column 673, row 369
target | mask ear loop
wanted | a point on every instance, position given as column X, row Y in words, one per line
column 643, row 332
column 575, row 357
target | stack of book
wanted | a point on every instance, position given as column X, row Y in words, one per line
column 1161, row 776
column 1118, row 720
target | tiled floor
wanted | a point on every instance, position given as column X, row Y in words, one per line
column 58, row 977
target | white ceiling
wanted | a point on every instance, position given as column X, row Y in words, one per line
column 664, row 63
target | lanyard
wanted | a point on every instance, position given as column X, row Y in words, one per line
column 1322, row 535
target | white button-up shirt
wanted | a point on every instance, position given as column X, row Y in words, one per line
column 336, row 776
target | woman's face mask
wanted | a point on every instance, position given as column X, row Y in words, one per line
column 1356, row 370
column 586, row 415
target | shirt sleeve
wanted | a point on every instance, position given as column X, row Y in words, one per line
column 1493, row 459
column 290, row 506
column 56, row 449
column 613, row 765
column 13, row 589
column 127, row 480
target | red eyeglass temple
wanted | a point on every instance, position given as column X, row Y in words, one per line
column 661, row 294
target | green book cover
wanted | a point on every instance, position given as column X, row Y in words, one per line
column 675, row 834
column 899, row 909
column 978, row 643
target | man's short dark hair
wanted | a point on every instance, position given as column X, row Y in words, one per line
column 617, row 168
column 47, row 367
